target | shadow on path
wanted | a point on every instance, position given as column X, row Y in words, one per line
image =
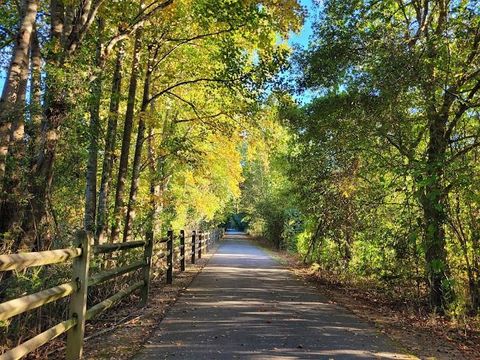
column 244, row 305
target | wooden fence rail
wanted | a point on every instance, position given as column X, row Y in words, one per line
column 77, row 288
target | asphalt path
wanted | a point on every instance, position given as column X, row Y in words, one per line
column 245, row 305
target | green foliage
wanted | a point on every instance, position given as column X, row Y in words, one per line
column 382, row 165
column 373, row 169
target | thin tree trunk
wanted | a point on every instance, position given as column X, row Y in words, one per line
column 127, row 233
column 313, row 240
column 36, row 110
column 154, row 186
column 19, row 60
column 96, row 96
column 119, row 207
column 109, row 149
column 36, row 224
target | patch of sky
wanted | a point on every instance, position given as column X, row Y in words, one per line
column 302, row 38
column 299, row 41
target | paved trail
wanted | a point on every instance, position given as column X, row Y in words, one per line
column 244, row 305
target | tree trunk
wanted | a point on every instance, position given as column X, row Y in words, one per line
column 433, row 203
column 109, row 150
column 35, row 224
column 36, row 227
column 8, row 109
column 313, row 240
column 96, row 97
column 36, row 110
column 16, row 151
column 127, row 233
column 36, row 221
column 13, row 182
column 154, row 186
column 475, row 287
column 119, row 207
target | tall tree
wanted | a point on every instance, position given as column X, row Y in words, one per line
column 109, row 147
column 119, row 208
column 427, row 52
column 10, row 108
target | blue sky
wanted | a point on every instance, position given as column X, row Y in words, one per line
column 302, row 38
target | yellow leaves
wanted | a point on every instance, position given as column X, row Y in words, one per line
column 202, row 191
column 347, row 187
column 347, row 181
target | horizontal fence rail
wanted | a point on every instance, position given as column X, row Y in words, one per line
column 108, row 248
column 24, row 260
column 173, row 253
column 29, row 302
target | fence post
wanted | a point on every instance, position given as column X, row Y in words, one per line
column 193, row 246
column 170, row 257
column 205, row 241
column 200, row 235
column 147, row 255
column 78, row 300
column 182, row 250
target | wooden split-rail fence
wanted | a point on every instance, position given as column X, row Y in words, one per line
column 174, row 250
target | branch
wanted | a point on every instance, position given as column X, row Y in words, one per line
column 464, row 151
column 139, row 16
column 178, row 121
column 187, row 40
column 139, row 21
column 465, row 78
column 201, row 36
column 6, row 43
column 475, row 45
column 454, row 141
column 189, row 103
column 400, row 149
column 7, row 30
column 187, row 82
column 194, row 108
column 463, row 107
